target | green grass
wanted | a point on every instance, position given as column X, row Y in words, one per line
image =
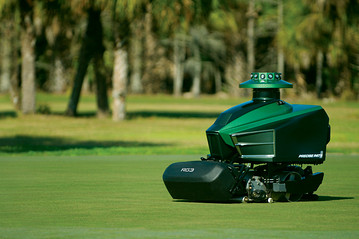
column 84, row 177
column 124, row 197
column 157, row 125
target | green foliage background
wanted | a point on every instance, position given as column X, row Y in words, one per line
column 304, row 30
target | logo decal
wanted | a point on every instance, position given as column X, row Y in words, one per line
column 320, row 155
column 187, row 170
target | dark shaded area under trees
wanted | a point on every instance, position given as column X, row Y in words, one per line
column 174, row 47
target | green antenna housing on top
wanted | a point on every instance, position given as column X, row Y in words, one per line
column 266, row 80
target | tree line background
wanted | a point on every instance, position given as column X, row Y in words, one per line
column 120, row 47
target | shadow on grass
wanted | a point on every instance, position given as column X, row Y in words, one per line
column 320, row 199
column 331, row 198
column 205, row 202
column 153, row 113
column 132, row 114
column 171, row 114
column 23, row 144
column 7, row 114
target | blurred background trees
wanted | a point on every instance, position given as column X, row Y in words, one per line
column 174, row 47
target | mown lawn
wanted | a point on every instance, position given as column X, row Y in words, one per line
column 156, row 125
column 124, row 197
column 85, row 177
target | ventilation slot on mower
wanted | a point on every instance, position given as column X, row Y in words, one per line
column 255, row 145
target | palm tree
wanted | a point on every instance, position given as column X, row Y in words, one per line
column 119, row 82
column 150, row 51
column 195, row 42
column 343, row 49
column 136, row 50
column 58, row 23
column 120, row 63
column 175, row 19
column 9, row 50
column 251, row 36
column 179, row 54
column 28, row 88
column 233, row 22
column 122, row 14
column 5, row 53
column 280, row 51
column 91, row 48
column 203, row 47
column 321, row 34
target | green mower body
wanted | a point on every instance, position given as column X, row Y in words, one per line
column 257, row 150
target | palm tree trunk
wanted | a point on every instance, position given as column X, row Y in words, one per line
column 136, row 52
column 179, row 56
column 150, row 83
column 28, row 103
column 99, row 67
column 119, row 81
column 250, row 37
column 196, row 86
column 91, row 45
column 5, row 44
column 319, row 73
column 218, row 80
column 280, row 48
column 301, row 85
column 120, row 72
column 15, row 67
column 101, row 87
column 235, row 73
column 57, row 75
column 84, row 61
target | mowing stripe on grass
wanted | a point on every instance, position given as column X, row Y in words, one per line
column 124, row 197
column 104, row 233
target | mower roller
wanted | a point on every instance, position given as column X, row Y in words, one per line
column 257, row 150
